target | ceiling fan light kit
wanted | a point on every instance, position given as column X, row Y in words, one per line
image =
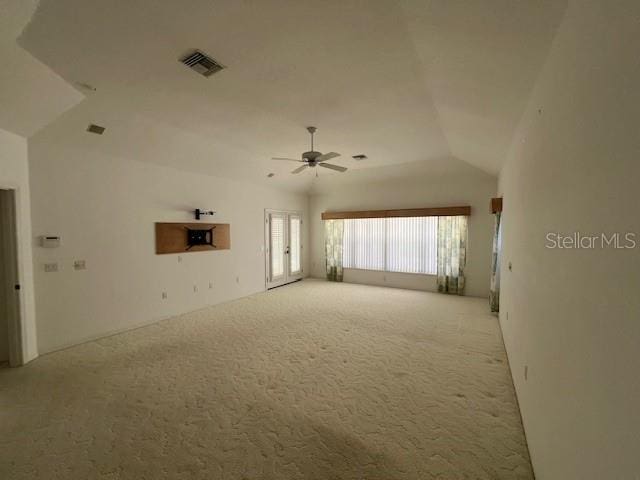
column 313, row 159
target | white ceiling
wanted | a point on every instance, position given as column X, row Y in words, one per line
column 435, row 82
column 480, row 60
column 31, row 94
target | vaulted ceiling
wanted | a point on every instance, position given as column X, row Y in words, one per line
column 31, row 94
column 438, row 82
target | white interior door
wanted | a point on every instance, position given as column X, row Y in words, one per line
column 283, row 234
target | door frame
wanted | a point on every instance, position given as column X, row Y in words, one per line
column 267, row 243
column 10, row 246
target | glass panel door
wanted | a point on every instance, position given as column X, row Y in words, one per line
column 295, row 246
column 276, row 247
column 283, row 239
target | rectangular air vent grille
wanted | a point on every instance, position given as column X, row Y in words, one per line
column 97, row 129
column 202, row 64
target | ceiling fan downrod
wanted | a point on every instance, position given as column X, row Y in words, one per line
column 312, row 130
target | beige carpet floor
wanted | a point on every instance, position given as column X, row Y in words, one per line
column 314, row 380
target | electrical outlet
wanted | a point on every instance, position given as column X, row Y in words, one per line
column 51, row 267
column 164, row 295
column 79, row 265
column 210, row 285
column 526, row 372
column 237, row 279
column 195, row 288
column 179, row 258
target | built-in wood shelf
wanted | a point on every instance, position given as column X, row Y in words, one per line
column 172, row 237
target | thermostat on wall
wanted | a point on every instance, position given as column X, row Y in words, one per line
column 49, row 242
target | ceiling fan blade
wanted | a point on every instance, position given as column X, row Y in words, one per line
column 286, row 159
column 327, row 156
column 299, row 169
column 333, row 167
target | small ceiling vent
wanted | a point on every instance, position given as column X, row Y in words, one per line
column 202, row 64
column 360, row 156
column 97, row 129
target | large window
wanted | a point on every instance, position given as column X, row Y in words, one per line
column 395, row 244
column 364, row 243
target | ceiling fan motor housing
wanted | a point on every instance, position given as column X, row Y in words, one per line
column 311, row 156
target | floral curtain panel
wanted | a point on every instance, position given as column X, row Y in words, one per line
column 333, row 235
column 494, row 289
column 452, row 254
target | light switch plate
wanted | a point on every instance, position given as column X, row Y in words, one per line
column 51, row 267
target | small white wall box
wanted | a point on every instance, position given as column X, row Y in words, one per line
column 49, row 242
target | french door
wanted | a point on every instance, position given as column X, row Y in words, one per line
column 283, row 235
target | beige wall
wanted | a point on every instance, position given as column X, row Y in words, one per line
column 104, row 208
column 14, row 175
column 573, row 316
column 470, row 187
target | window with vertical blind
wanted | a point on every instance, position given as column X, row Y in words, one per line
column 363, row 243
column 394, row 244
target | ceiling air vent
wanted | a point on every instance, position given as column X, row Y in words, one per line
column 97, row 129
column 360, row 156
column 202, row 64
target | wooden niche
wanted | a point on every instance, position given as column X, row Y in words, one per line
column 174, row 237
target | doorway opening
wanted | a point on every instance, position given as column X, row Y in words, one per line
column 10, row 332
column 283, row 247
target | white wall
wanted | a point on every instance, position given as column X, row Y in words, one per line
column 104, row 208
column 472, row 187
column 573, row 316
column 14, row 174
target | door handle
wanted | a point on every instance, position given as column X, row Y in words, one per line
column 286, row 252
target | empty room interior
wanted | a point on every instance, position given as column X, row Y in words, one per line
column 339, row 239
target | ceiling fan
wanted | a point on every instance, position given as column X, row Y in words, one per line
column 313, row 158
